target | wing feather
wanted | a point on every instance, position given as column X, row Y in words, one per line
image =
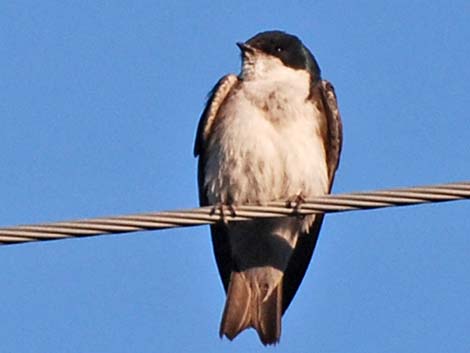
column 216, row 98
column 220, row 241
column 334, row 128
column 324, row 95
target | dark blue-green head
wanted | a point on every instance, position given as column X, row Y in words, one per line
column 286, row 47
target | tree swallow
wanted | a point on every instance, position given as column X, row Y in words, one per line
column 272, row 133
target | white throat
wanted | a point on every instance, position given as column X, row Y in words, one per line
column 259, row 66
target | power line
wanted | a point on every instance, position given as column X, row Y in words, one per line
column 208, row 215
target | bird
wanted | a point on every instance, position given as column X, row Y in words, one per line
column 271, row 133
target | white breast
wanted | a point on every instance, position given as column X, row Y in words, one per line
column 267, row 145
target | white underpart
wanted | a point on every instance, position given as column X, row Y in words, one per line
column 267, row 146
column 256, row 156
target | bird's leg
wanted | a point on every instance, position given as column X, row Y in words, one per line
column 296, row 202
column 221, row 207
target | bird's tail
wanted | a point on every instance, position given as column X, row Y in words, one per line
column 246, row 307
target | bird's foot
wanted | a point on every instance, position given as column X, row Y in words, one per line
column 296, row 202
column 221, row 209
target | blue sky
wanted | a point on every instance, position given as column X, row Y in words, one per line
column 99, row 106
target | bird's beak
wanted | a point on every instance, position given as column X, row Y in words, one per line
column 245, row 48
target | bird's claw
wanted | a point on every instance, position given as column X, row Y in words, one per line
column 296, row 203
column 221, row 208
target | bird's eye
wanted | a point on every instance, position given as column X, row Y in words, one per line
column 279, row 49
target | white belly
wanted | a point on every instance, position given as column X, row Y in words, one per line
column 257, row 155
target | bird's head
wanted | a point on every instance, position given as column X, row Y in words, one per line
column 270, row 52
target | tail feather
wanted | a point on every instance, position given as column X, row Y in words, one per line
column 269, row 317
column 237, row 311
column 246, row 308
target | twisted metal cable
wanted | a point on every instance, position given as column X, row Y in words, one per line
column 210, row 215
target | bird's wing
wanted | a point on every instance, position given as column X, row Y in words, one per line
column 324, row 95
column 216, row 98
column 220, row 241
column 334, row 129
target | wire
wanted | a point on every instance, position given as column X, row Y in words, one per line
column 210, row 215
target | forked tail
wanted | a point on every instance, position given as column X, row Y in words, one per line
column 246, row 308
